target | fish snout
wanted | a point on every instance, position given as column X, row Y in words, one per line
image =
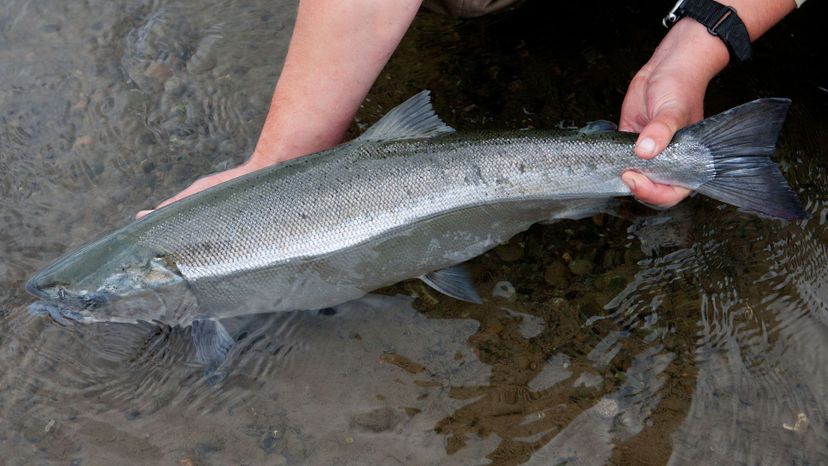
column 35, row 286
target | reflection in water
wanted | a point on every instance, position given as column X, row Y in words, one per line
column 692, row 336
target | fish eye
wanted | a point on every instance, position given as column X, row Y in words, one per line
column 61, row 293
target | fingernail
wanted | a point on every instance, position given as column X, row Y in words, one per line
column 646, row 146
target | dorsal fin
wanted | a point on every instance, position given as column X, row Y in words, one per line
column 412, row 119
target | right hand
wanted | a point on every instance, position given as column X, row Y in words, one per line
column 666, row 95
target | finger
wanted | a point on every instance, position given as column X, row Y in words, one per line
column 192, row 189
column 662, row 195
column 187, row 192
column 659, row 132
column 634, row 106
column 201, row 184
column 198, row 185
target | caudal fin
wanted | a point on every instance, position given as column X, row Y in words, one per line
column 741, row 141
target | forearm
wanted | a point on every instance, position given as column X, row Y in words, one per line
column 337, row 50
column 706, row 53
column 760, row 15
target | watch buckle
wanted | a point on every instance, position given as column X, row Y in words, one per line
column 714, row 29
column 671, row 17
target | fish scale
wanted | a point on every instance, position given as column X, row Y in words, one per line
column 343, row 198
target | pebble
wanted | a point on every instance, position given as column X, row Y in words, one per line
column 612, row 281
column 509, row 252
column 147, row 139
column 147, row 166
column 556, row 274
column 503, row 289
column 269, row 443
column 378, row 420
column 580, row 267
column 158, row 70
column 82, row 141
column 607, row 408
column 800, row 425
column 612, row 258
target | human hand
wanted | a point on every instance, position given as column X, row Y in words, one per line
column 666, row 95
column 203, row 183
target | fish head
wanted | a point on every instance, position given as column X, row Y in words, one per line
column 98, row 279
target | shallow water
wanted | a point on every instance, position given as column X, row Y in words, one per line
column 698, row 339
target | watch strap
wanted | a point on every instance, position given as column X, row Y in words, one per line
column 720, row 20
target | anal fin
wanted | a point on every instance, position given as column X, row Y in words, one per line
column 577, row 209
column 454, row 282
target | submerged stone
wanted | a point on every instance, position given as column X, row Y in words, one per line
column 580, row 267
column 556, row 274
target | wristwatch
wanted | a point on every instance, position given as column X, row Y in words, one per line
column 720, row 20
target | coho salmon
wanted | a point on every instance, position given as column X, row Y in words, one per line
column 408, row 198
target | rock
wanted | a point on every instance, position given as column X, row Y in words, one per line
column 612, row 258
column 632, row 256
column 270, row 441
column 295, row 452
column 158, row 70
column 503, row 289
column 378, row 420
column 181, row 173
column 613, row 281
column 510, row 252
column 82, row 141
column 147, row 139
column 580, row 267
column 147, row 166
column 556, row 274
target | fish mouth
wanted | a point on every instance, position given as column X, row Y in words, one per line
column 34, row 287
column 54, row 292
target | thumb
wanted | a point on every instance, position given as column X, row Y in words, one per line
column 659, row 132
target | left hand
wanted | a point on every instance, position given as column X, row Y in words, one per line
column 666, row 95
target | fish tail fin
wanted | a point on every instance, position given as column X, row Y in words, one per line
column 741, row 141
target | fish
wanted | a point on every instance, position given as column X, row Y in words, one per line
column 409, row 198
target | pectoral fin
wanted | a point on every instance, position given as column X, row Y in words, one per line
column 59, row 314
column 454, row 282
column 212, row 342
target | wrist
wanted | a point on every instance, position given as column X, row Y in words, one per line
column 275, row 146
column 691, row 47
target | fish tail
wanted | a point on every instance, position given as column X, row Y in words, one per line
column 741, row 141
